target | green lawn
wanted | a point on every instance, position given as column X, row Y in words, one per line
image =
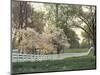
column 76, row 50
column 74, row 63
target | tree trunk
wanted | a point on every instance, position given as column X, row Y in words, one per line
column 56, row 15
column 23, row 15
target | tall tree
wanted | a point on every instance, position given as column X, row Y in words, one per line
column 89, row 19
column 59, row 15
column 24, row 15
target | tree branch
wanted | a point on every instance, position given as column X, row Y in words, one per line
column 87, row 23
column 75, row 25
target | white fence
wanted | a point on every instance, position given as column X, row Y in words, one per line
column 17, row 57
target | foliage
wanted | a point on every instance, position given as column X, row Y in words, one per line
column 30, row 41
column 54, row 24
column 56, row 37
column 24, row 15
column 60, row 16
column 86, row 20
column 84, row 44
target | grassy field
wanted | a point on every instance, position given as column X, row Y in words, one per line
column 73, row 63
column 76, row 50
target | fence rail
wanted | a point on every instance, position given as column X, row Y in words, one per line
column 18, row 57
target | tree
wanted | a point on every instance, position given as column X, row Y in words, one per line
column 84, row 44
column 20, row 14
column 87, row 37
column 24, row 15
column 50, row 41
column 59, row 15
column 57, row 37
column 29, row 41
column 77, row 16
column 89, row 20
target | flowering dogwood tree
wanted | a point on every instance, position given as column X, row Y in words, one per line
column 51, row 40
column 57, row 37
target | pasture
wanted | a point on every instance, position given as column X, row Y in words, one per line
column 79, row 50
column 67, row 64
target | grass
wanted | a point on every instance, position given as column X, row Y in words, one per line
column 74, row 63
column 76, row 50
